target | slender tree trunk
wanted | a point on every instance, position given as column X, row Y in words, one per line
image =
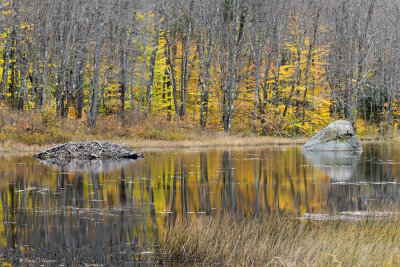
column 296, row 74
column 268, row 60
column 44, row 77
column 234, row 38
column 4, row 79
column 170, row 68
column 80, row 84
column 201, row 76
column 308, row 64
column 185, row 63
column 96, row 76
column 205, row 88
column 142, row 83
column 122, row 76
column 153, row 61
column 13, row 67
column 257, row 59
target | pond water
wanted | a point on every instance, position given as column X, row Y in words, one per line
column 111, row 213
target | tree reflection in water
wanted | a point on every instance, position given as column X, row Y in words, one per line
column 112, row 213
column 64, row 219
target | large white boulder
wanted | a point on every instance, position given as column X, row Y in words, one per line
column 337, row 136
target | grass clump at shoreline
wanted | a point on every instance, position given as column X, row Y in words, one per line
column 281, row 241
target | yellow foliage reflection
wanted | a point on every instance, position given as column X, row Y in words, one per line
column 131, row 203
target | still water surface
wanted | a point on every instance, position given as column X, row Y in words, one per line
column 111, row 213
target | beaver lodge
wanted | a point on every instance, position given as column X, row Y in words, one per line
column 91, row 150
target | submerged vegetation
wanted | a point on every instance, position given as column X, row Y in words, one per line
column 284, row 240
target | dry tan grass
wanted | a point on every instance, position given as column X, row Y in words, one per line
column 11, row 147
column 396, row 137
column 281, row 241
column 218, row 141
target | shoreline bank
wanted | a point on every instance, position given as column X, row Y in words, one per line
column 197, row 142
column 206, row 142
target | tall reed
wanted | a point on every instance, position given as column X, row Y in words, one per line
column 281, row 241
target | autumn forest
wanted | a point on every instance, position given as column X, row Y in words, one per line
column 266, row 67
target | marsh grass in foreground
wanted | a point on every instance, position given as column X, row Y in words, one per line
column 281, row 241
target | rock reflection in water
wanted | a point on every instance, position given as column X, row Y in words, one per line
column 339, row 166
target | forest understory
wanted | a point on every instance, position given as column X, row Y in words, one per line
column 29, row 132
